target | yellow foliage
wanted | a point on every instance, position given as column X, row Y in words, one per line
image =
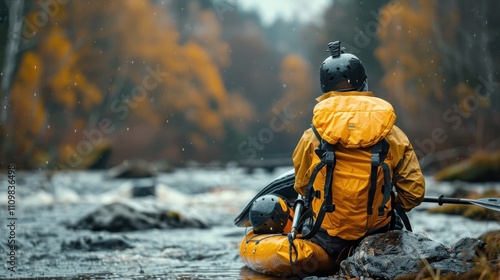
column 409, row 51
column 207, row 32
column 298, row 97
column 239, row 111
column 96, row 49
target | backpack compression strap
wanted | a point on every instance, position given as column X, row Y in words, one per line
column 326, row 152
column 379, row 152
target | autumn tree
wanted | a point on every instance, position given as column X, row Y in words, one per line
column 121, row 63
column 439, row 63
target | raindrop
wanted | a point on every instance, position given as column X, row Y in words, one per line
column 46, row 162
column 183, row 149
column 75, row 130
column 48, row 126
column 34, row 94
column 284, row 85
column 128, row 128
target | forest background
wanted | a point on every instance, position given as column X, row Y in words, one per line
column 88, row 84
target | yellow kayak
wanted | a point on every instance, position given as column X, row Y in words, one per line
column 270, row 254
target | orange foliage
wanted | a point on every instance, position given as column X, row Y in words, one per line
column 239, row 111
column 126, row 53
column 207, row 32
column 298, row 94
column 409, row 52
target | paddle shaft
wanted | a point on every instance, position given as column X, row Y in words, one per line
column 441, row 199
column 492, row 203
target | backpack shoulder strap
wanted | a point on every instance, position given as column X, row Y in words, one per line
column 326, row 152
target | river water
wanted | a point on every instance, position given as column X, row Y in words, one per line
column 47, row 203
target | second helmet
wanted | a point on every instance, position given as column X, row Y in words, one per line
column 269, row 214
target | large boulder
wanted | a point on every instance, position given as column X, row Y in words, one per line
column 118, row 217
column 396, row 253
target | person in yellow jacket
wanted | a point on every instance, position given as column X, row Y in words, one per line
column 349, row 116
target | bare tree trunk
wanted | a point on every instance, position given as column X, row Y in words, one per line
column 12, row 47
column 15, row 16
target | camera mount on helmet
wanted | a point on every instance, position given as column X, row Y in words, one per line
column 342, row 71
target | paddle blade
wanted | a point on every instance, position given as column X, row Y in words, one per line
column 488, row 203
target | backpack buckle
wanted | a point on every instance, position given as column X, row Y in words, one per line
column 329, row 208
column 329, row 157
column 375, row 159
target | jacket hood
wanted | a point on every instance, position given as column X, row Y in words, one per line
column 353, row 120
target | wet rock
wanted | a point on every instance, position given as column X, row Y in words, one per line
column 143, row 187
column 97, row 244
column 466, row 249
column 119, row 217
column 100, row 157
column 130, row 169
column 336, row 277
column 397, row 253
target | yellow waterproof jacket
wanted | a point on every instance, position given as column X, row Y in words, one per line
column 354, row 121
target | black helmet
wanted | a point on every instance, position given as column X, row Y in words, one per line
column 269, row 214
column 342, row 71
